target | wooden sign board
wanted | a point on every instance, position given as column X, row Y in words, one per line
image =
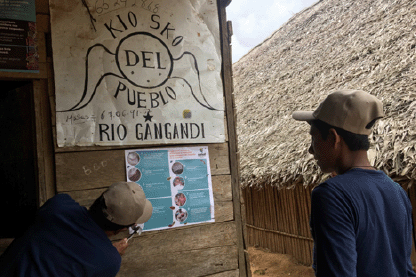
column 137, row 72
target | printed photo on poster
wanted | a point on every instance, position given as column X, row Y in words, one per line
column 177, row 181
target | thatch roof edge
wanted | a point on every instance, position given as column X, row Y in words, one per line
column 334, row 44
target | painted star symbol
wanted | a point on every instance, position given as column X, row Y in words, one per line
column 148, row 117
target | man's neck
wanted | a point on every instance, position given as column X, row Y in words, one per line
column 354, row 159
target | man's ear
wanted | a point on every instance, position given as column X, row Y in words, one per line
column 335, row 138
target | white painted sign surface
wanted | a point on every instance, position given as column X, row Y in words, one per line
column 137, row 72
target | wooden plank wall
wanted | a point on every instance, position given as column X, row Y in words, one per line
column 197, row 250
column 43, row 106
column 279, row 220
column 210, row 249
column 43, row 103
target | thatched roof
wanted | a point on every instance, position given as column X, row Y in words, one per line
column 368, row 45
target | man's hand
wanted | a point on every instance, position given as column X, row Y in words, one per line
column 121, row 246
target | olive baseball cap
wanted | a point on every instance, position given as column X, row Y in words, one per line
column 127, row 204
column 350, row 110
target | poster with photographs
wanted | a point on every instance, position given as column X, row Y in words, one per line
column 137, row 72
column 177, row 181
column 18, row 37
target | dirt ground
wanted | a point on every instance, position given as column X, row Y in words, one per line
column 265, row 263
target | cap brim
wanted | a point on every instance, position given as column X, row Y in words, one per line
column 147, row 213
column 303, row 115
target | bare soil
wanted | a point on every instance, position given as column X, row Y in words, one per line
column 265, row 263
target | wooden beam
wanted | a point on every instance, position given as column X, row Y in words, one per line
column 231, row 273
column 42, row 6
column 25, row 75
column 179, row 261
column 223, row 214
column 44, row 144
column 43, row 24
column 220, row 185
column 175, row 238
column 226, row 32
column 98, row 169
column 41, row 47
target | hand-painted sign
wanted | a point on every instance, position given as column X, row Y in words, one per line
column 18, row 42
column 137, row 72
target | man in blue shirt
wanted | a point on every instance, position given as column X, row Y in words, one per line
column 361, row 221
column 69, row 240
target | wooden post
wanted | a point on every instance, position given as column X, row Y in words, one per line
column 232, row 135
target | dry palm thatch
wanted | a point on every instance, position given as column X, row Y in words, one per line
column 334, row 44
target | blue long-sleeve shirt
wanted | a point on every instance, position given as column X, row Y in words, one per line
column 361, row 223
column 63, row 241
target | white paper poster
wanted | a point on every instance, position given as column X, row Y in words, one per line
column 177, row 181
column 137, row 72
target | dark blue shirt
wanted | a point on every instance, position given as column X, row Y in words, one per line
column 361, row 223
column 63, row 241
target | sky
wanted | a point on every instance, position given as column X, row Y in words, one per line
column 254, row 21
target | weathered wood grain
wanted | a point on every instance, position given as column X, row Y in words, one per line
column 181, row 262
column 44, row 143
column 42, row 6
column 23, row 75
column 208, row 249
column 42, row 23
column 220, row 186
column 223, row 210
column 201, row 236
column 226, row 33
column 98, row 169
column 124, row 147
column 231, row 273
column 86, row 197
column 41, row 47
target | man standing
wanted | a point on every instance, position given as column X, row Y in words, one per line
column 69, row 240
column 361, row 221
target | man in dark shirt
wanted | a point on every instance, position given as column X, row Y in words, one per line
column 361, row 221
column 69, row 240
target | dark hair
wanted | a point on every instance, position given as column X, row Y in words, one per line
column 97, row 214
column 354, row 142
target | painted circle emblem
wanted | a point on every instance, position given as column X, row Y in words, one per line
column 144, row 60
